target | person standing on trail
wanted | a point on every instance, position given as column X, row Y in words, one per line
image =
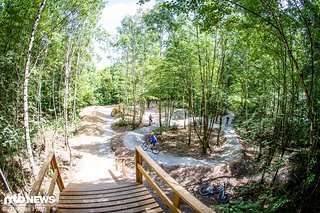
column 227, row 120
column 150, row 120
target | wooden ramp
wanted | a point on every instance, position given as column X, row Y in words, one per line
column 130, row 197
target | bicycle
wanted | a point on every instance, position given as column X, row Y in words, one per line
column 213, row 189
column 154, row 148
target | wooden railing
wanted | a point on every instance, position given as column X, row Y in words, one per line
column 56, row 178
column 179, row 193
column 121, row 161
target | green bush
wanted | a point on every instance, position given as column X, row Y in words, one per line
column 122, row 122
column 161, row 129
column 237, row 206
column 12, row 144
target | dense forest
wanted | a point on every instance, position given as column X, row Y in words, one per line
column 46, row 58
column 257, row 58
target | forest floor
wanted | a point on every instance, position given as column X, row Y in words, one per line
column 191, row 177
column 229, row 163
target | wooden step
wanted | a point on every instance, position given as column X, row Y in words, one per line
column 102, row 191
column 97, row 196
column 122, row 198
column 105, row 203
column 105, row 200
column 80, row 187
column 134, row 206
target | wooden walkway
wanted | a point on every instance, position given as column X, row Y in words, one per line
column 107, row 198
column 104, row 196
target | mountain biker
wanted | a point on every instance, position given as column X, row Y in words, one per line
column 213, row 187
column 152, row 138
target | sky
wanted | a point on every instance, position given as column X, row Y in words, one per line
column 110, row 19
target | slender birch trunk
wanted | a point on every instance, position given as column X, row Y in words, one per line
column 66, row 94
column 53, row 100
column 75, row 91
column 25, row 88
column 134, row 88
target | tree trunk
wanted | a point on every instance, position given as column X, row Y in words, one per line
column 60, row 87
column 66, row 95
column 53, row 100
column 160, row 111
column 75, row 91
column 219, row 131
column 134, row 90
column 25, row 88
column 189, row 116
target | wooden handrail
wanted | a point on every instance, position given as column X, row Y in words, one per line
column 179, row 193
column 56, row 178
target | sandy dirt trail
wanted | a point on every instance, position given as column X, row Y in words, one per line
column 97, row 159
column 92, row 145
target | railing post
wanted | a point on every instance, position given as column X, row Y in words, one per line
column 176, row 200
column 116, row 160
column 54, row 165
column 138, row 162
column 51, row 188
column 124, row 174
column 179, row 193
column 50, row 159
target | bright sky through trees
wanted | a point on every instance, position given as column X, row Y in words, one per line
column 111, row 17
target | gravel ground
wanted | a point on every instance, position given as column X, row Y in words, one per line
column 232, row 148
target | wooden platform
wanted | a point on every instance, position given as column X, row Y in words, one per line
column 130, row 197
column 105, row 194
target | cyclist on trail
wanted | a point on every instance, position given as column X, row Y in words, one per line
column 152, row 138
column 150, row 143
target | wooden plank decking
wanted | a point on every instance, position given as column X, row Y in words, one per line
column 105, row 194
column 129, row 197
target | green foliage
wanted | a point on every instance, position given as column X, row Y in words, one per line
column 270, row 79
column 242, row 206
column 60, row 21
column 161, row 129
column 278, row 203
column 97, row 88
column 106, row 87
column 11, row 138
column 254, row 198
column 11, row 143
column 56, row 124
